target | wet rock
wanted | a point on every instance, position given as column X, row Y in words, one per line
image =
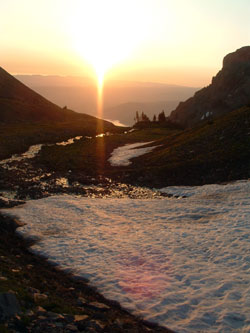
column 3, row 278
column 29, row 313
column 99, row 315
column 40, row 310
column 81, row 301
column 92, row 326
column 80, row 318
column 72, row 328
column 40, row 297
column 33, row 290
column 8, row 203
column 9, row 305
column 55, row 316
column 98, row 306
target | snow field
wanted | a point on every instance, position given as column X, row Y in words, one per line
column 184, row 263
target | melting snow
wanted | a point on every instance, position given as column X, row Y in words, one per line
column 121, row 156
column 69, row 141
column 183, row 263
column 30, row 153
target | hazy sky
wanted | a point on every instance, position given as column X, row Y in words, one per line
column 172, row 41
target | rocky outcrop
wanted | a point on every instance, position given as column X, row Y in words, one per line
column 229, row 90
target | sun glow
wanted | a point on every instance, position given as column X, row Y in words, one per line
column 105, row 33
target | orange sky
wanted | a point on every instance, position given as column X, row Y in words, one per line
column 176, row 42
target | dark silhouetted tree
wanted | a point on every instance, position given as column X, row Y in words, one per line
column 144, row 117
column 137, row 118
column 161, row 117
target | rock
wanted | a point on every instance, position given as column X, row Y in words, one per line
column 72, row 328
column 42, row 317
column 33, row 290
column 98, row 306
column 29, row 313
column 40, row 310
column 80, row 317
column 40, row 297
column 229, row 90
column 9, row 305
column 81, row 301
column 91, row 326
column 3, row 278
column 8, row 203
column 55, row 316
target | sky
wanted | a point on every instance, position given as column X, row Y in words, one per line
column 169, row 41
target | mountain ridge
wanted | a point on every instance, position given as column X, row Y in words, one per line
column 229, row 90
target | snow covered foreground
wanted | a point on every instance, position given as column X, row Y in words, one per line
column 184, row 263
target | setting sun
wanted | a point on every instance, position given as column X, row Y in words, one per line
column 106, row 33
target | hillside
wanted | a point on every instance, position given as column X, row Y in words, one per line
column 20, row 103
column 215, row 151
column 212, row 152
column 229, row 90
column 27, row 118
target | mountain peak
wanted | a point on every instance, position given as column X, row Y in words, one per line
column 229, row 90
column 241, row 55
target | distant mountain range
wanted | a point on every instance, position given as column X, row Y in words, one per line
column 229, row 90
column 121, row 99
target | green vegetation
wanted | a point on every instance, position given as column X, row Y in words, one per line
column 212, row 152
column 90, row 156
column 16, row 138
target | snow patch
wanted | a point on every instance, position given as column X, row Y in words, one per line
column 183, row 263
column 121, row 156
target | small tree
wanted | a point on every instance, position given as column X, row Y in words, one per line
column 144, row 117
column 154, row 118
column 161, row 117
column 137, row 118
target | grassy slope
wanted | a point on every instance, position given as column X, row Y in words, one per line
column 211, row 152
column 16, row 138
column 90, row 156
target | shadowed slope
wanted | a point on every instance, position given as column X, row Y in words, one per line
column 229, row 90
column 27, row 118
column 20, row 103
